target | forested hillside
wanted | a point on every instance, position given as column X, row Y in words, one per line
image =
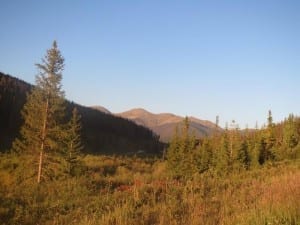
column 101, row 133
column 12, row 98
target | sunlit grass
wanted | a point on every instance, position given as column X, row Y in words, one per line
column 134, row 191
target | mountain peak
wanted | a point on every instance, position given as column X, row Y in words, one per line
column 136, row 112
column 164, row 123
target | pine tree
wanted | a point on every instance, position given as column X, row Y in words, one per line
column 263, row 153
column 270, row 119
column 270, row 139
column 290, row 137
column 174, row 154
column 243, row 155
column 254, row 146
column 204, row 158
column 43, row 113
column 181, row 159
column 73, row 143
column 223, row 156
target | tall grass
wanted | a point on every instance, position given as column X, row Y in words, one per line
column 134, row 191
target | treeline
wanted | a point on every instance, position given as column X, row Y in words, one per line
column 233, row 149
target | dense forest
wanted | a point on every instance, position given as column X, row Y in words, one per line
column 101, row 133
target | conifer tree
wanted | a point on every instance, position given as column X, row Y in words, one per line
column 263, row 153
column 204, row 158
column 223, row 155
column 73, row 143
column 254, row 146
column 243, row 155
column 270, row 139
column 43, row 113
column 174, row 154
column 181, row 160
column 290, row 137
column 270, row 119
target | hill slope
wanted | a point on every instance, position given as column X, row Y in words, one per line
column 101, row 109
column 164, row 124
column 101, row 132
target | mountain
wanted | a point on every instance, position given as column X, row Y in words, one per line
column 164, row 124
column 101, row 132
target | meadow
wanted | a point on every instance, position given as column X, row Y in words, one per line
column 122, row 190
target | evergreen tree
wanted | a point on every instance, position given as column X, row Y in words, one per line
column 243, row 155
column 290, row 137
column 269, row 139
column 253, row 146
column 204, row 158
column 73, row 143
column 223, row 155
column 270, row 119
column 181, row 159
column 43, row 114
column 263, row 153
column 174, row 154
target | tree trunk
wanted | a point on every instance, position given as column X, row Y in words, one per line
column 43, row 142
column 40, row 163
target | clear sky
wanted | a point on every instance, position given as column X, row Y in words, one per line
column 234, row 58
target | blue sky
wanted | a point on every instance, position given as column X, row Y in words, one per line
column 236, row 59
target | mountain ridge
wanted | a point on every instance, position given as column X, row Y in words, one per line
column 164, row 124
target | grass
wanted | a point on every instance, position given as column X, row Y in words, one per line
column 135, row 191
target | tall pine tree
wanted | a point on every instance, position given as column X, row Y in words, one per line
column 270, row 140
column 43, row 113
